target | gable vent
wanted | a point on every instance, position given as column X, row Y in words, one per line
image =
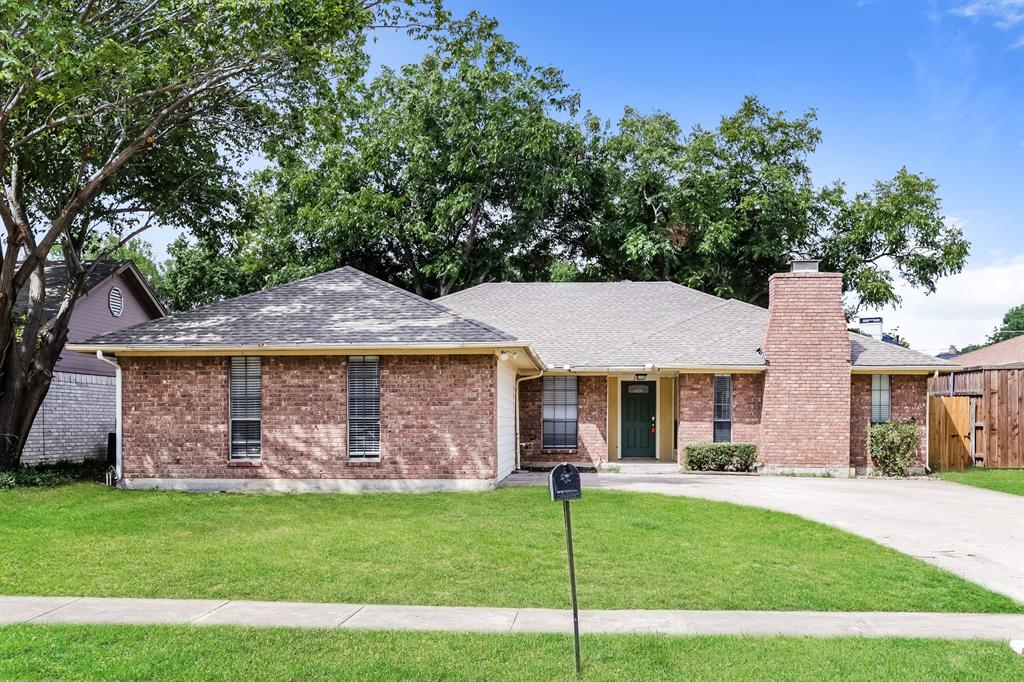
column 116, row 302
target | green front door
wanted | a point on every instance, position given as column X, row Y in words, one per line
column 638, row 403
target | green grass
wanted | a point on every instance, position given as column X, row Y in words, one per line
column 1004, row 480
column 501, row 548
column 71, row 652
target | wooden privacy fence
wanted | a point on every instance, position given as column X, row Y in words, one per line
column 974, row 417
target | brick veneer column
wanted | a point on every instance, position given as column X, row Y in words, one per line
column 805, row 418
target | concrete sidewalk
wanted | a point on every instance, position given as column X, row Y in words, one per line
column 484, row 619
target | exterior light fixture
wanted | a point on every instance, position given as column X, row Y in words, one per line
column 642, row 376
column 503, row 356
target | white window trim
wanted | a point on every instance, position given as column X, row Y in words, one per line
column 231, row 421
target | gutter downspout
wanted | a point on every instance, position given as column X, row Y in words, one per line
column 515, row 403
column 117, row 413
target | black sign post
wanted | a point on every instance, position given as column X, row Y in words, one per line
column 564, row 484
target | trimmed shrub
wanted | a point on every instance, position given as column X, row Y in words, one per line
column 893, row 446
column 721, row 456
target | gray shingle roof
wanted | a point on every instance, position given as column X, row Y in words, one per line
column 631, row 324
column 343, row 307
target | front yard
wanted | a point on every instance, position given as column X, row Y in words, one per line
column 502, row 548
column 1004, row 480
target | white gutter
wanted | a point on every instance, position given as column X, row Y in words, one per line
column 515, row 410
column 117, row 413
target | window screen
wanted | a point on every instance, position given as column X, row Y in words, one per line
column 880, row 398
column 246, row 397
column 723, row 408
column 363, row 407
column 560, row 412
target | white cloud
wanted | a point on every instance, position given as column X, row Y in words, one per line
column 964, row 309
column 1005, row 14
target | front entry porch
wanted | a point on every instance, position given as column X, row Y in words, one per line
column 641, row 419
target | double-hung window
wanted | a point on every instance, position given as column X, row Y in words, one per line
column 881, row 404
column 246, row 398
column 560, row 413
column 363, row 407
column 722, row 408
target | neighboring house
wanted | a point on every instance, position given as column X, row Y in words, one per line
column 979, row 409
column 1007, row 352
column 343, row 382
column 79, row 410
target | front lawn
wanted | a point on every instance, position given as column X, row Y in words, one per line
column 501, row 548
column 1004, row 480
column 208, row 653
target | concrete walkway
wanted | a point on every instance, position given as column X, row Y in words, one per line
column 975, row 533
column 484, row 619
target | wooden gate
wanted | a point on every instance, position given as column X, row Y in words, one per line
column 949, row 432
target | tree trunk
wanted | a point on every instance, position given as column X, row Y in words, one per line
column 23, row 390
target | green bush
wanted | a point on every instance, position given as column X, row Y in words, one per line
column 51, row 475
column 893, row 446
column 721, row 456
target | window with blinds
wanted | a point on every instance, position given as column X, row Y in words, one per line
column 722, row 408
column 880, row 398
column 363, row 407
column 560, row 406
column 246, row 397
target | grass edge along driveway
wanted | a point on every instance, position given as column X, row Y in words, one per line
column 500, row 548
column 1002, row 480
column 213, row 653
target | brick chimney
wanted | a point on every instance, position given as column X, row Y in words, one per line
column 805, row 419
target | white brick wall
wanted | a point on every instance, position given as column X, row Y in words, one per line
column 74, row 421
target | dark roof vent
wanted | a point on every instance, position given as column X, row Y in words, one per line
column 803, row 265
column 115, row 301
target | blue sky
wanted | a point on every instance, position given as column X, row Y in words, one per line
column 937, row 87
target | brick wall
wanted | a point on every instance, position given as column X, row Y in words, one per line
column 908, row 396
column 695, row 410
column 747, row 397
column 805, row 418
column 696, row 393
column 592, row 434
column 437, row 419
column 73, row 422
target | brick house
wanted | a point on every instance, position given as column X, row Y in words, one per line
column 343, row 382
column 79, row 410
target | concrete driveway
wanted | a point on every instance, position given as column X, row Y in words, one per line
column 977, row 534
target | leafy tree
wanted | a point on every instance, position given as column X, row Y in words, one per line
column 722, row 209
column 117, row 114
column 443, row 174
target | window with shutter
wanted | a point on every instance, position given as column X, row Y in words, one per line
column 880, row 398
column 246, row 398
column 363, row 407
column 723, row 408
column 560, row 405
